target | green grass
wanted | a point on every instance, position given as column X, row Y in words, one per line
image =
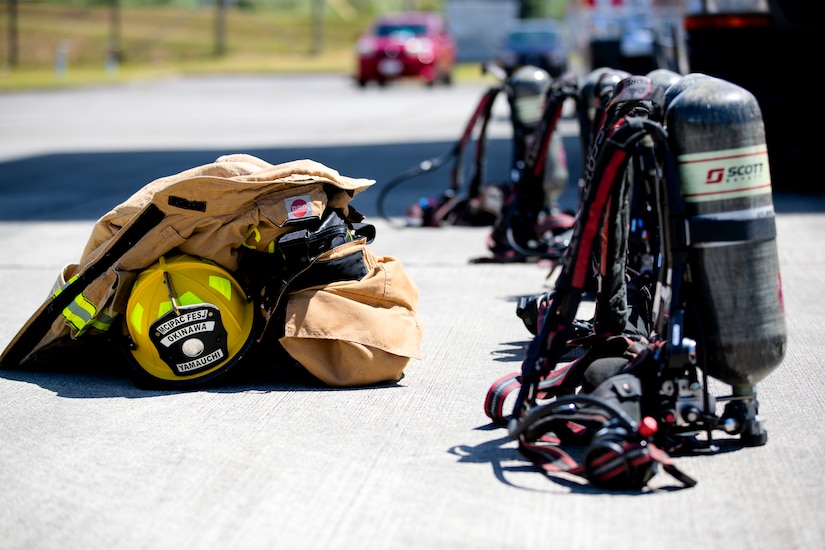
column 157, row 42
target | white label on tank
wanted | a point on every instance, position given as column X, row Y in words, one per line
column 727, row 174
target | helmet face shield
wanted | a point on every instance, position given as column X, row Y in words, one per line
column 188, row 320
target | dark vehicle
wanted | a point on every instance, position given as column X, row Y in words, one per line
column 631, row 47
column 635, row 36
column 406, row 45
column 535, row 42
column 771, row 48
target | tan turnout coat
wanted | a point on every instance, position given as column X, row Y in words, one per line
column 346, row 333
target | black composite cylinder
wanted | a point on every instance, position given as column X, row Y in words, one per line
column 681, row 85
column 732, row 275
column 664, row 78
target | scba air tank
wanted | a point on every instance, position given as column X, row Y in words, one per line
column 732, row 274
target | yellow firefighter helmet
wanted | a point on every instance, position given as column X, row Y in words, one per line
column 188, row 320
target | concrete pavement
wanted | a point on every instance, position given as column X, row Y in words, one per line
column 87, row 460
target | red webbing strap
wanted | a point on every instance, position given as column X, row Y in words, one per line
column 615, row 464
column 456, row 153
column 543, row 444
column 546, row 454
column 609, row 460
column 624, row 466
column 551, row 385
column 497, row 394
column 482, row 112
column 603, row 186
column 546, row 348
column 667, row 464
column 608, row 167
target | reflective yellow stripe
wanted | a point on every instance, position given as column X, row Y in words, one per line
column 189, row 298
column 79, row 313
column 256, row 233
column 252, row 231
column 57, row 290
column 103, row 322
column 164, row 308
column 222, row 285
column 136, row 319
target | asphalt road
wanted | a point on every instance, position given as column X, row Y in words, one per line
column 88, row 460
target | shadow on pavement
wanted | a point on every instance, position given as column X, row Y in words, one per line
column 98, row 369
column 84, row 186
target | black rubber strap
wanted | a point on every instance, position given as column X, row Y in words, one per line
column 704, row 230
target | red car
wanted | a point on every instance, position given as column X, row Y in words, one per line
column 404, row 45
